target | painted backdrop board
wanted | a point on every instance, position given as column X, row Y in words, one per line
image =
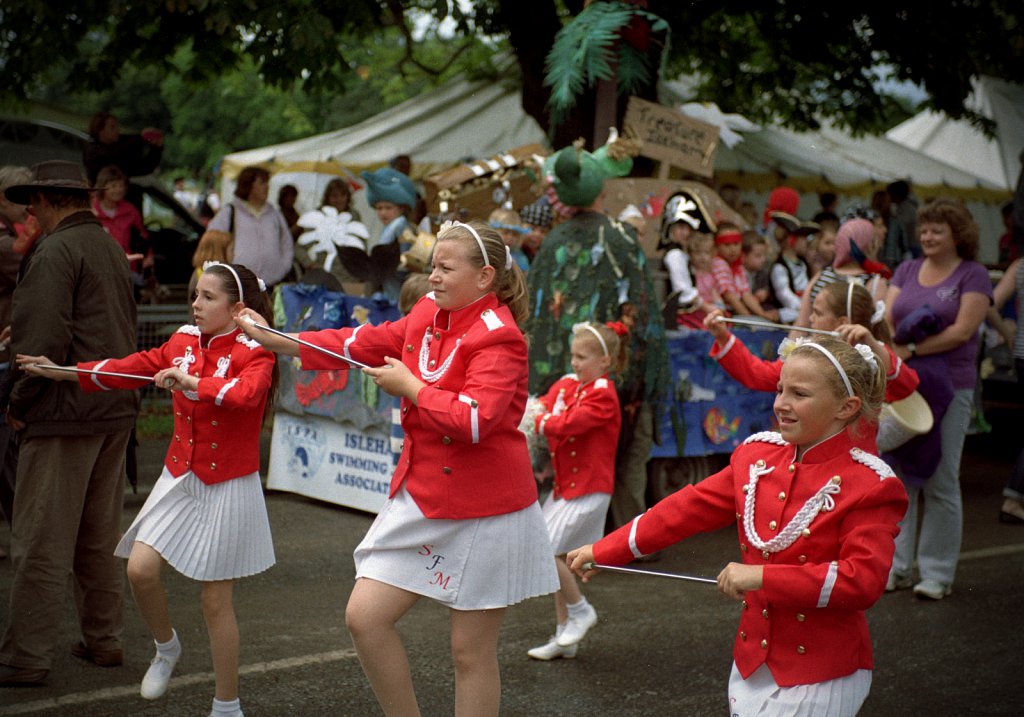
column 707, row 411
column 331, row 437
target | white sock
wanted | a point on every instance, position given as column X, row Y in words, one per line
column 578, row 609
column 171, row 648
column 231, row 707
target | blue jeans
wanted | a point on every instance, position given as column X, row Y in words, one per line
column 938, row 548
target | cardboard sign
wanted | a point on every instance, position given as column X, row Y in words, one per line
column 671, row 137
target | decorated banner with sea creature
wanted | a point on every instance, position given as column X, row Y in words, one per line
column 707, row 411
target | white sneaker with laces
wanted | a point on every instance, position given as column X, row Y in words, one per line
column 577, row 626
column 551, row 650
column 154, row 684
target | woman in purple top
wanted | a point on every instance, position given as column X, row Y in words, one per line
column 958, row 290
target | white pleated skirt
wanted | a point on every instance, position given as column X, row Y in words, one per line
column 760, row 695
column 575, row 522
column 468, row 564
column 205, row 532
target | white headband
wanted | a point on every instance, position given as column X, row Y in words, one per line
column 849, row 300
column 479, row 243
column 835, row 362
column 787, row 347
column 238, row 279
column 589, row 327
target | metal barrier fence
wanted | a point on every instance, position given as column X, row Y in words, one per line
column 155, row 324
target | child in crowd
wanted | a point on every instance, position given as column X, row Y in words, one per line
column 581, row 422
column 122, row 220
column 537, row 219
column 680, row 220
column 461, row 524
column 730, row 277
column 789, row 275
column 821, row 247
column 816, row 520
column 844, row 307
column 393, row 197
column 205, row 515
column 755, row 255
column 510, row 227
column 702, row 256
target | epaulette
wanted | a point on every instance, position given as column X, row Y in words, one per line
column 190, row 329
column 601, row 383
column 247, row 342
column 570, row 375
column 873, row 462
column 767, row 437
column 491, row 319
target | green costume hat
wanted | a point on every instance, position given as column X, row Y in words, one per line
column 578, row 176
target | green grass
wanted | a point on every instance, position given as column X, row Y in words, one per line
column 156, row 420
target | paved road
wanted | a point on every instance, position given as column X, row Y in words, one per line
column 660, row 648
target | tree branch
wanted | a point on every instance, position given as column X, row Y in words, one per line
column 398, row 13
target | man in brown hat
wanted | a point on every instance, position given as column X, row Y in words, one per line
column 74, row 303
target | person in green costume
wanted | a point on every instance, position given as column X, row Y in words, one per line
column 592, row 268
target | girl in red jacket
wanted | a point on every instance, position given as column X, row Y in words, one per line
column 205, row 515
column 845, row 307
column 816, row 518
column 461, row 524
column 581, row 421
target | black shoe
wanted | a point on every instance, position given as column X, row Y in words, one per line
column 1010, row 518
column 21, row 676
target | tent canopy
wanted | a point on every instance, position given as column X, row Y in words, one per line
column 439, row 129
column 832, row 160
column 959, row 143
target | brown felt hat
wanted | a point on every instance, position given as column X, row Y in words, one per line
column 55, row 174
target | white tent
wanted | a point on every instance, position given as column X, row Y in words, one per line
column 958, row 142
column 832, row 160
column 439, row 129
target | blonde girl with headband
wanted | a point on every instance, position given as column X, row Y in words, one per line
column 816, row 519
column 581, row 421
column 461, row 525
column 205, row 516
column 847, row 309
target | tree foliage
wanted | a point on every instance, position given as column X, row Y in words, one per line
column 793, row 61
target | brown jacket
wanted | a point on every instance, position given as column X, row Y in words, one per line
column 74, row 303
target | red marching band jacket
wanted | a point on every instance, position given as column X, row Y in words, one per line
column 761, row 375
column 807, row 621
column 582, row 426
column 463, row 455
column 216, row 428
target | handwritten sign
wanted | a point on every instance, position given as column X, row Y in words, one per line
column 671, row 137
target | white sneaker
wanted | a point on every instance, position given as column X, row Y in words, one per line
column 233, row 714
column 154, row 684
column 576, row 628
column 551, row 650
column 931, row 590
